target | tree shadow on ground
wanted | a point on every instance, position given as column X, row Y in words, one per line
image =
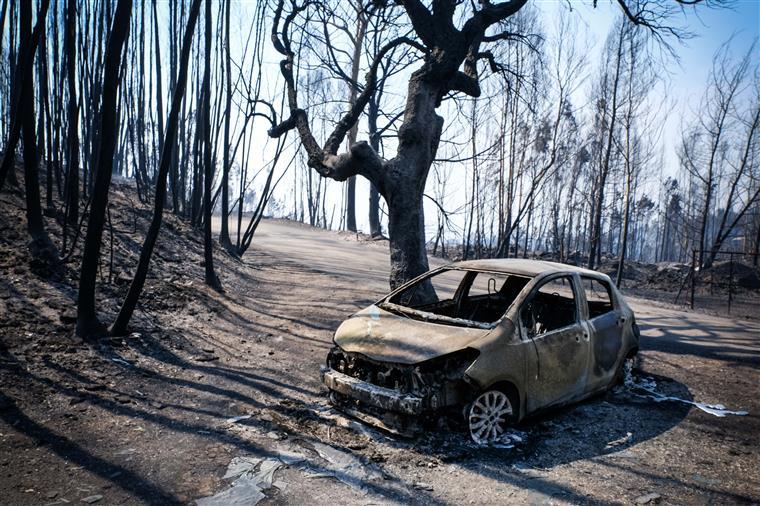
column 67, row 449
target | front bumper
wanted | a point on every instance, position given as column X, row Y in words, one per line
column 373, row 395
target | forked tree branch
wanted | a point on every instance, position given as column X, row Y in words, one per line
column 361, row 158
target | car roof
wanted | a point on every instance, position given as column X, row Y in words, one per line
column 521, row 266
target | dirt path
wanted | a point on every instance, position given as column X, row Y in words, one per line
column 147, row 419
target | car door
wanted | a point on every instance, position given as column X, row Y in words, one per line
column 550, row 322
column 606, row 323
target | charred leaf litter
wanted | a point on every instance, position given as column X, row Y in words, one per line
column 249, row 477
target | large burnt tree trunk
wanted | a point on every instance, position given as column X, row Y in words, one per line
column 87, row 320
column 400, row 180
column 406, row 174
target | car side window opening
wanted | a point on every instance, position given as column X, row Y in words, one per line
column 482, row 297
column 598, row 297
column 553, row 306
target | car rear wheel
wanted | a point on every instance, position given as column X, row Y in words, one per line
column 488, row 416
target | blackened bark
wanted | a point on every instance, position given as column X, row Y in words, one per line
column 87, row 321
column 23, row 74
column 34, row 221
column 406, row 229
column 159, row 88
column 375, row 229
column 361, row 29
column 72, row 177
column 9, row 171
column 224, row 234
column 208, row 247
column 127, row 308
column 44, row 126
column 3, row 10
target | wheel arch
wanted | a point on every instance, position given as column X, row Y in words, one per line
column 514, row 394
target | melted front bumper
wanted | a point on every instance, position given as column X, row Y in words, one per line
column 379, row 397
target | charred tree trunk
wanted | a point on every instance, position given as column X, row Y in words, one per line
column 208, row 247
column 224, row 233
column 19, row 89
column 72, row 178
column 25, row 109
column 375, row 230
column 626, row 221
column 361, row 30
column 127, row 308
column 596, row 224
column 87, row 320
column 418, row 142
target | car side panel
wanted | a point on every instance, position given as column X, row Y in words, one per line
column 561, row 370
column 606, row 346
column 502, row 359
column 612, row 338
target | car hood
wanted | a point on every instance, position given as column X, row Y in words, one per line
column 388, row 337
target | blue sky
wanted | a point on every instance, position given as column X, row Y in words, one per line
column 685, row 85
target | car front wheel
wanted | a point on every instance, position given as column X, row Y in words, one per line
column 488, row 416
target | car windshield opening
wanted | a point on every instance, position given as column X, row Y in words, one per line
column 459, row 296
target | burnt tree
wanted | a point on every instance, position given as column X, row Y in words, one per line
column 72, row 177
column 135, row 288
column 212, row 279
column 87, row 320
column 35, row 224
column 22, row 76
column 400, row 180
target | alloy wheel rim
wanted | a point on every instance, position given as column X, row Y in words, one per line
column 488, row 416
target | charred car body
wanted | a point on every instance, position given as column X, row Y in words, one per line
column 501, row 339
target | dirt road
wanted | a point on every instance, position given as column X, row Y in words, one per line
column 700, row 357
column 211, row 380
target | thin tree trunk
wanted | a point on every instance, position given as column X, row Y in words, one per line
column 34, row 221
column 224, row 234
column 626, row 220
column 159, row 89
column 87, row 320
column 596, row 228
column 130, row 301
column 208, row 248
column 22, row 75
column 375, row 229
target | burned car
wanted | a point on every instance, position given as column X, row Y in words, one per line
column 497, row 340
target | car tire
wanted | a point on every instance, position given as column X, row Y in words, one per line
column 489, row 415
